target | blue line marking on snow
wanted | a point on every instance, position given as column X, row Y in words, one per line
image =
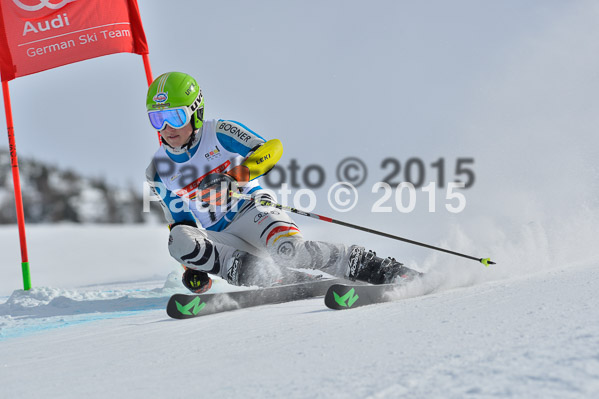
column 32, row 326
column 42, row 309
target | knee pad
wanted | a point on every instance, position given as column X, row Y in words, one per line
column 285, row 252
column 191, row 247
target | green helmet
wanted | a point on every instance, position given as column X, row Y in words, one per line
column 179, row 94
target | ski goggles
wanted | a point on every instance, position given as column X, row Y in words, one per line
column 174, row 117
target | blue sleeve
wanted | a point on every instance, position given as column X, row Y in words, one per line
column 236, row 137
column 176, row 214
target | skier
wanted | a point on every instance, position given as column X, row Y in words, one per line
column 200, row 164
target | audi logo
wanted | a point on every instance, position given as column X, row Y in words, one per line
column 42, row 4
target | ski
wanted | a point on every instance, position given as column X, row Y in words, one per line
column 186, row 306
column 346, row 296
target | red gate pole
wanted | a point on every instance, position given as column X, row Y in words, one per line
column 148, row 69
column 17, row 185
column 150, row 79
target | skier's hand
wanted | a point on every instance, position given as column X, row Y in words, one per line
column 196, row 281
column 241, row 173
column 216, row 188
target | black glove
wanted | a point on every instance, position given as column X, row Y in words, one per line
column 216, row 188
column 196, row 281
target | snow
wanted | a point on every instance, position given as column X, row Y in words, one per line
column 445, row 82
column 534, row 334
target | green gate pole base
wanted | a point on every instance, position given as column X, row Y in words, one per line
column 26, row 276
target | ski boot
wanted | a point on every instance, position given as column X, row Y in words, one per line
column 250, row 270
column 366, row 266
column 247, row 269
column 243, row 269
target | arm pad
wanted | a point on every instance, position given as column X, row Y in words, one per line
column 264, row 158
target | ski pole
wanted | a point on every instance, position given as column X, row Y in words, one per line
column 484, row 261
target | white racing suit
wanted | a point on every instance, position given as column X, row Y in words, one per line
column 224, row 233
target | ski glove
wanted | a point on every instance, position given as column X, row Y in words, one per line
column 215, row 189
column 196, row 281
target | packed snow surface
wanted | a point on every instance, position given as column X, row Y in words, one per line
column 530, row 335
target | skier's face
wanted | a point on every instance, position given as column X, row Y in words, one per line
column 176, row 137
